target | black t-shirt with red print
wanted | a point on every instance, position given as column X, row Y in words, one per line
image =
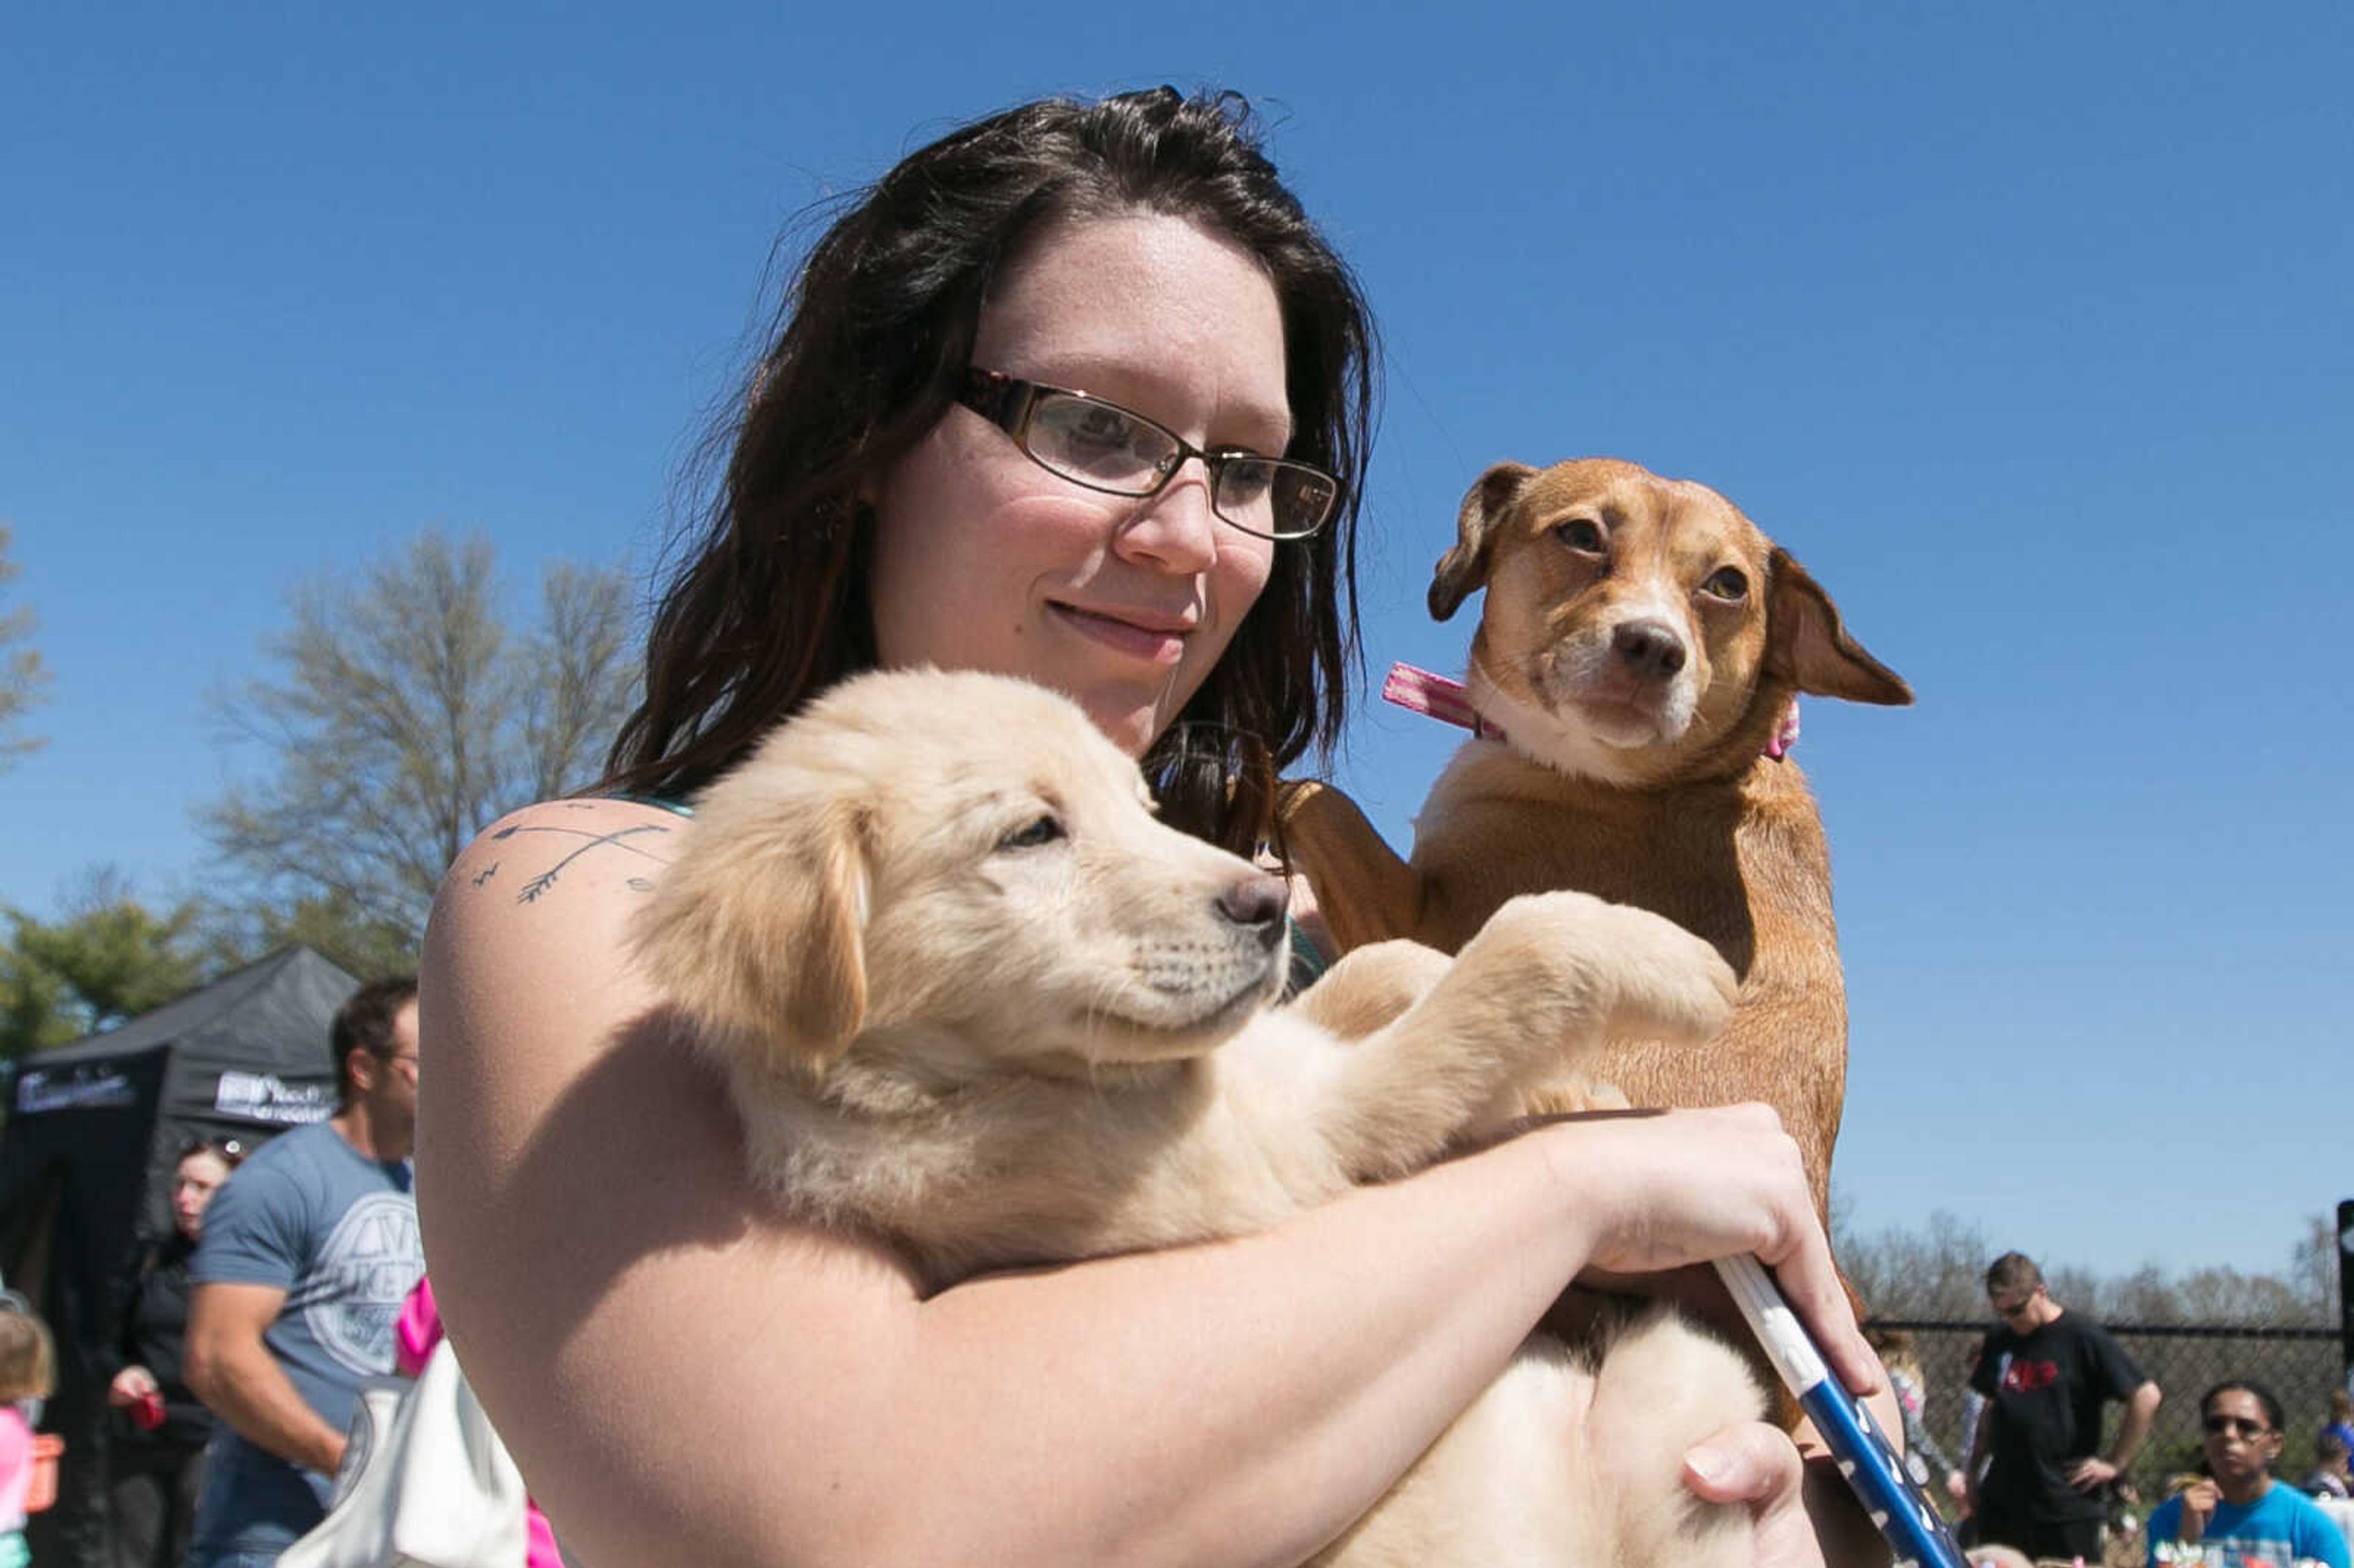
column 2047, row 1388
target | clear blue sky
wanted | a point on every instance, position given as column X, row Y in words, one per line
column 2026, row 328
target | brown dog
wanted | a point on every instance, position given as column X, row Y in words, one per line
column 1638, row 651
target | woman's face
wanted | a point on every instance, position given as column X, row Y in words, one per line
column 197, row 1177
column 983, row 560
column 2249, row 1444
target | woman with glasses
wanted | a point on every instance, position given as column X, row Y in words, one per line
column 2238, row 1512
column 158, row 1430
column 1076, row 393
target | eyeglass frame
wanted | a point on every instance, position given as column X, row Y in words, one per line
column 1008, row 402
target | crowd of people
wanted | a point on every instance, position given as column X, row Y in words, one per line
column 2035, row 1475
column 293, row 1277
column 1135, row 272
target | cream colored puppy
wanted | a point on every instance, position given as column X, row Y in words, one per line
column 970, row 997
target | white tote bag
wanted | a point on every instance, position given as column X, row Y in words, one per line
column 425, row 1483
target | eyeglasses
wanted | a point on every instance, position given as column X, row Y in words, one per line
column 1120, row 453
column 2237, row 1425
column 2016, row 1309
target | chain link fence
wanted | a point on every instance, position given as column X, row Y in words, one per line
column 2301, row 1365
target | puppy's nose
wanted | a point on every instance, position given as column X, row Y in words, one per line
column 1649, row 648
column 1257, row 902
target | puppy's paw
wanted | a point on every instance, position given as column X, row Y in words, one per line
column 1372, row 986
column 1571, row 1093
column 1671, row 984
column 1641, row 975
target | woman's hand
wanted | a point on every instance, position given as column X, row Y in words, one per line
column 1754, row 1463
column 1680, row 1187
column 130, row 1386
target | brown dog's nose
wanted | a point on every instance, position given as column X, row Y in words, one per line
column 1649, row 648
column 1257, row 902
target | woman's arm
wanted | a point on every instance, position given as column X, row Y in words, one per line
column 685, row 1377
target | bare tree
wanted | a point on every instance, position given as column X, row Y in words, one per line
column 402, row 716
column 1900, row 1273
column 1938, row 1272
column 2314, row 1272
column 23, row 680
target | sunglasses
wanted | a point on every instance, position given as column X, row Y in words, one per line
column 2236, row 1426
column 229, row 1151
column 1118, row 450
column 2015, row 1309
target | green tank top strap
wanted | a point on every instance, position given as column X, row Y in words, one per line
column 665, row 802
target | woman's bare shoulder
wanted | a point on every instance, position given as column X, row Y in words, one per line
column 558, row 851
column 529, row 940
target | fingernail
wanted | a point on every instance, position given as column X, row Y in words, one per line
column 1708, row 1464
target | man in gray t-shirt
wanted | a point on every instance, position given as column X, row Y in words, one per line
column 306, row 1254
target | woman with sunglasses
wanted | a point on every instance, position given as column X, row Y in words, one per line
column 156, row 1445
column 2238, row 1512
column 1077, row 393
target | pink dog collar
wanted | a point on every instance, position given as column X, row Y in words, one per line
column 1435, row 696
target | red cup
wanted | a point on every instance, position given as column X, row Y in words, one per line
column 147, row 1411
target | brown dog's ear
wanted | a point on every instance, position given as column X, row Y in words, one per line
column 1806, row 642
column 758, row 930
column 1465, row 566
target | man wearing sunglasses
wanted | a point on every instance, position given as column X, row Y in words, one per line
column 2046, row 1375
column 2239, row 1513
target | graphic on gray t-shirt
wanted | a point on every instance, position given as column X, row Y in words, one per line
column 337, row 1232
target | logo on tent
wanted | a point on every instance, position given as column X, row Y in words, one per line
column 264, row 1096
column 73, row 1088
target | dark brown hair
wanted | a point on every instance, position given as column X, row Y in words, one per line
column 2013, row 1271
column 364, row 1023
column 229, row 1151
column 2266, row 1400
column 768, row 604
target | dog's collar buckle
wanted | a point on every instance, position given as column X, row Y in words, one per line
column 1435, row 696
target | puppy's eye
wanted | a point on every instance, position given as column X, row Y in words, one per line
column 1044, row 830
column 1726, row 583
column 1583, row 535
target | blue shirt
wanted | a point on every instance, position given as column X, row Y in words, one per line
column 2272, row 1532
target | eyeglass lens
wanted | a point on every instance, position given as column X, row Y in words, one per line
column 1102, row 444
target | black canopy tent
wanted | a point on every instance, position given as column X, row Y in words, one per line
column 94, row 1130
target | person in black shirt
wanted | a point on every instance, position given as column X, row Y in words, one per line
column 157, row 1439
column 2046, row 1374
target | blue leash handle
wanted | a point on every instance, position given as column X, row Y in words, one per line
column 1915, row 1531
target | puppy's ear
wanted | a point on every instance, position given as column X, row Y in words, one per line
column 1465, row 566
column 758, row 930
column 1805, row 640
